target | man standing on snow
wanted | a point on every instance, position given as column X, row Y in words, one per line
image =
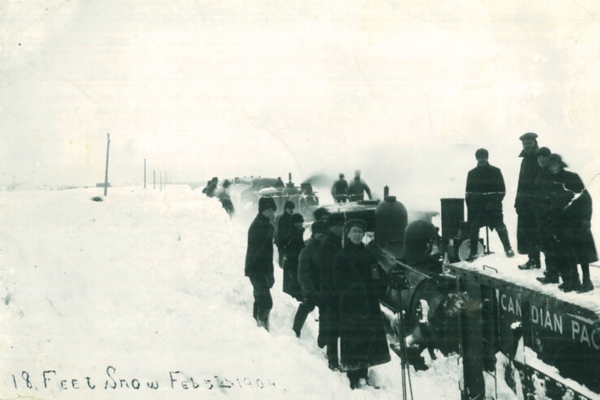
column 484, row 194
column 283, row 224
column 309, row 275
column 259, row 260
column 358, row 187
column 338, row 190
column 329, row 311
column 525, row 205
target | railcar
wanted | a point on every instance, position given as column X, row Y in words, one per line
column 508, row 331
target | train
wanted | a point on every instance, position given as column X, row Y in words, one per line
column 505, row 329
column 245, row 192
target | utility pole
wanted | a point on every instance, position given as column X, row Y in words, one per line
column 106, row 171
column 144, row 173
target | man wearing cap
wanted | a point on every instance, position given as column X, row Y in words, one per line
column 309, row 275
column 569, row 225
column 283, row 224
column 259, row 260
column 329, row 308
column 527, row 238
column 358, row 279
column 358, row 187
column 339, row 189
column 484, row 194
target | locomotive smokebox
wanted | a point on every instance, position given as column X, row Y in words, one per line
column 391, row 219
column 453, row 213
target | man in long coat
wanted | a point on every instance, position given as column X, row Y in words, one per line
column 527, row 235
column 309, row 276
column 283, row 224
column 329, row 311
column 294, row 243
column 484, row 194
column 358, row 280
column 569, row 225
column 259, row 260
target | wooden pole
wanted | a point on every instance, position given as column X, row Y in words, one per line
column 144, row 173
column 106, row 170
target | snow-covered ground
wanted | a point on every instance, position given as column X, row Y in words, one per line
column 103, row 299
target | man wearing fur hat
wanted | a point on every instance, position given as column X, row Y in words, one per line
column 358, row 280
column 259, row 260
column 484, row 194
column 527, row 237
column 309, row 275
column 329, row 311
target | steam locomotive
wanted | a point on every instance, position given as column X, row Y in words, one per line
column 540, row 346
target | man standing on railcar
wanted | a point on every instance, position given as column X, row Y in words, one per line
column 358, row 187
column 484, row 194
column 527, row 235
column 339, row 190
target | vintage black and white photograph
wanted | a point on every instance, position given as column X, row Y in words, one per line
column 267, row 199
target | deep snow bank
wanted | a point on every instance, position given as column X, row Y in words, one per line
column 104, row 299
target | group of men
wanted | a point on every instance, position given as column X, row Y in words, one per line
column 554, row 212
column 220, row 192
column 311, row 275
column 343, row 191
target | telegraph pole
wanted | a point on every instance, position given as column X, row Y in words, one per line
column 106, row 171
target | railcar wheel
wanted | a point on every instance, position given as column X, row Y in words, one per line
column 464, row 250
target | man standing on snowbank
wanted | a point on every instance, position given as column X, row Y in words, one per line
column 259, row 260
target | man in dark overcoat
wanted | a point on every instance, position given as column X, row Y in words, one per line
column 527, row 237
column 484, row 194
column 358, row 280
column 569, row 225
column 309, row 276
column 259, row 260
column 294, row 243
column 283, row 224
column 329, row 311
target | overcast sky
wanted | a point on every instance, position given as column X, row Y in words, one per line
column 404, row 90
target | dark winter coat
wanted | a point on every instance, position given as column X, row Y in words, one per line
column 339, row 188
column 358, row 280
column 308, row 271
column 294, row 244
column 484, row 194
column 356, row 190
column 530, row 169
column 568, row 214
column 259, row 254
column 527, row 232
column 330, row 304
column 284, row 224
